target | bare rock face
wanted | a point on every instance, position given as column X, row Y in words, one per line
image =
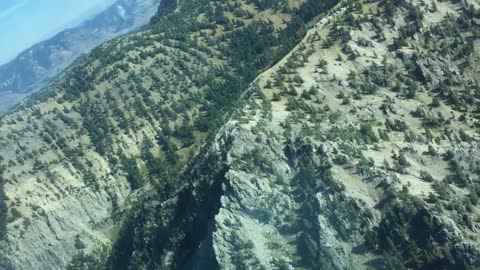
column 250, row 219
column 52, row 227
column 259, row 223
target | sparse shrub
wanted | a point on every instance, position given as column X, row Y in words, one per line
column 426, row 177
column 368, row 134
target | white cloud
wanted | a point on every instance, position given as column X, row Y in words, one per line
column 13, row 8
column 121, row 12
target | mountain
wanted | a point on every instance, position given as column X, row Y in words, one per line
column 255, row 135
column 39, row 64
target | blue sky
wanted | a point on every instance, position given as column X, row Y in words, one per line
column 26, row 22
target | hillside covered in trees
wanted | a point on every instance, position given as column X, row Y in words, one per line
column 255, row 135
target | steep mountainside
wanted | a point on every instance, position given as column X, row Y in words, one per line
column 256, row 135
column 39, row 64
column 127, row 118
column 358, row 150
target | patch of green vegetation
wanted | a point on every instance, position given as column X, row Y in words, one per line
column 409, row 237
column 3, row 210
column 94, row 261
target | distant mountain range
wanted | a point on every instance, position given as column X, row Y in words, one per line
column 37, row 65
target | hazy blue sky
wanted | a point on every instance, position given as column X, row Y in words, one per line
column 26, row 22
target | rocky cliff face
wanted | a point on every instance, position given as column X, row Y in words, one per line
column 269, row 216
column 357, row 149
